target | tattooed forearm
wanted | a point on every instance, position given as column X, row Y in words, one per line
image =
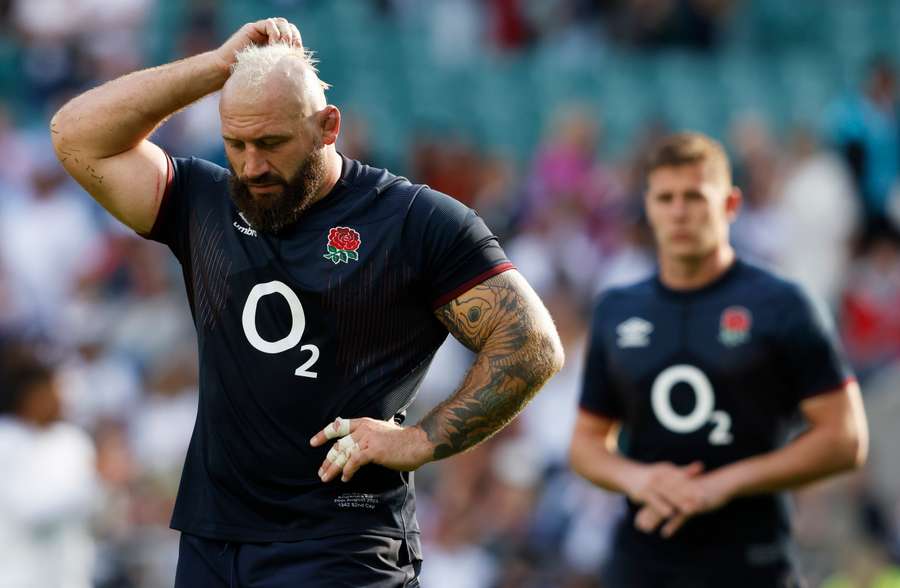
column 518, row 350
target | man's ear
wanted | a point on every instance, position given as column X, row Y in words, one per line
column 330, row 124
column 733, row 203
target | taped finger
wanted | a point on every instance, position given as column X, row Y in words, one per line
column 339, row 428
column 346, row 443
column 341, row 459
column 356, row 461
column 333, row 453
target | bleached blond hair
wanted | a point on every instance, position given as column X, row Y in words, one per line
column 255, row 63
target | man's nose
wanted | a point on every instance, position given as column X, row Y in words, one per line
column 679, row 207
column 255, row 165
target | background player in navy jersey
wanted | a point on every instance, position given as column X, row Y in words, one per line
column 320, row 289
column 699, row 370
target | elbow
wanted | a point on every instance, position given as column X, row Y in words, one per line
column 66, row 133
column 558, row 356
column 576, row 458
column 552, row 349
column 851, row 449
column 856, row 431
column 857, row 440
column 858, row 450
column 58, row 133
column 541, row 357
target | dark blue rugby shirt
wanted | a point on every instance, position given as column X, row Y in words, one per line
column 333, row 317
column 714, row 374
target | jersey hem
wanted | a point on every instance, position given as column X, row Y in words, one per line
column 218, row 533
column 629, row 545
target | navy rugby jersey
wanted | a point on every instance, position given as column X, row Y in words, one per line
column 714, row 374
column 332, row 317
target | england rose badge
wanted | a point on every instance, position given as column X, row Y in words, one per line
column 734, row 326
column 343, row 244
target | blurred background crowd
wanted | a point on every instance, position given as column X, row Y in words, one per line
column 534, row 112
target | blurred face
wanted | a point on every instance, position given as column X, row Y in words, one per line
column 41, row 404
column 276, row 156
column 689, row 210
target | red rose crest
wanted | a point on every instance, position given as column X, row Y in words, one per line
column 343, row 243
column 734, row 325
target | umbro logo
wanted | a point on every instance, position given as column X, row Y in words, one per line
column 635, row 332
column 248, row 230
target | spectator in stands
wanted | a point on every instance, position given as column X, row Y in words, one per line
column 819, row 201
column 49, row 482
column 871, row 307
column 866, row 130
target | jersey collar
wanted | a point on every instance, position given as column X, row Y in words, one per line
column 716, row 284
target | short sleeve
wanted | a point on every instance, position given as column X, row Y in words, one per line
column 597, row 394
column 452, row 247
column 188, row 179
column 171, row 220
column 811, row 354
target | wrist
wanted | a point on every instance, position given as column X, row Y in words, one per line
column 631, row 479
column 726, row 483
column 420, row 447
column 219, row 63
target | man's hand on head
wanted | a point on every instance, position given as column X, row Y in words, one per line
column 261, row 32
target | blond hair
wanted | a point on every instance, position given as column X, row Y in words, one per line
column 255, row 63
column 688, row 148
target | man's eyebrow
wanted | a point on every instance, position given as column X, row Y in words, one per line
column 258, row 139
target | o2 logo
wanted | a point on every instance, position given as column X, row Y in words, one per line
column 704, row 401
column 289, row 341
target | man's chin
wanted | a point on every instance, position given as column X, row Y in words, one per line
column 688, row 253
column 271, row 220
column 266, row 191
column 684, row 244
column 264, row 226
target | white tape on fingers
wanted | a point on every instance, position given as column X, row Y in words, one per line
column 347, row 443
column 341, row 459
column 333, row 453
column 339, row 428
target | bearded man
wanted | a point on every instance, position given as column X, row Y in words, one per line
column 320, row 289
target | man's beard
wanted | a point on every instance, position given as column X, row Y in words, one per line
column 271, row 212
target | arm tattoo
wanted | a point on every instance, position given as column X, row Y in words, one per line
column 518, row 350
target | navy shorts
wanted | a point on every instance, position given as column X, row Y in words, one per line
column 625, row 572
column 354, row 561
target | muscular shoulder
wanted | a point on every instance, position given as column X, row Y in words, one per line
column 426, row 207
column 379, row 193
